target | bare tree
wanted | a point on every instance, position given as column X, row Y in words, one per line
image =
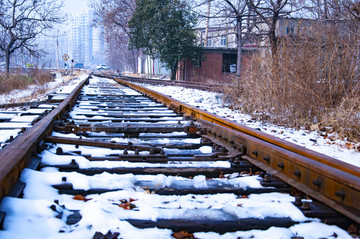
column 117, row 50
column 353, row 7
column 270, row 12
column 115, row 15
column 235, row 15
column 327, row 9
column 22, row 21
column 241, row 11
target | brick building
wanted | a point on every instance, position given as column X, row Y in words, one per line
column 215, row 64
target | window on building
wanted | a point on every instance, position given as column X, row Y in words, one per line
column 223, row 41
column 289, row 31
column 208, row 43
column 229, row 63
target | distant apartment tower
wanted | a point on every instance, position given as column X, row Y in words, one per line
column 87, row 41
column 98, row 45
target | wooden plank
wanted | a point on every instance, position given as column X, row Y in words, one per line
column 120, row 129
column 98, row 143
column 218, row 226
column 67, row 188
column 184, row 172
column 154, row 158
column 119, row 115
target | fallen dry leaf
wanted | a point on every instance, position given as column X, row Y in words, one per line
column 109, row 235
column 183, row 235
column 349, row 145
column 127, row 206
column 332, row 138
column 81, row 198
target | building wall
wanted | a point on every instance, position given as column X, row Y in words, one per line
column 152, row 67
column 211, row 67
column 217, row 37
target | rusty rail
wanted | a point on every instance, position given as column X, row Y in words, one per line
column 326, row 179
column 330, row 181
column 16, row 156
column 186, row 84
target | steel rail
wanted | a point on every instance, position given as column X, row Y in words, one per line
column 327, row 183
column 194, row 85
column 34, row 103
column 326, row 179
column 17, row 155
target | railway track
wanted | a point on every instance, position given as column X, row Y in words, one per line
column 15, row 118
column 186, row 84
column 110, row 162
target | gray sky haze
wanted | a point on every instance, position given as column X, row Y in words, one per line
column 76, row 6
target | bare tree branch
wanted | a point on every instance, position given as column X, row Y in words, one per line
column 22, row 21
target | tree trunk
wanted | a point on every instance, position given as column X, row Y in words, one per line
column 272, row 34
column 135, row 60
column 7, row 62
column 326, row 10
column 274, row 44
column 173, row 71
column 239, row 47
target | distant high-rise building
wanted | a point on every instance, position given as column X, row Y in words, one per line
column 87, row 43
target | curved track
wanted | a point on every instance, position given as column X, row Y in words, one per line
column 110, row 150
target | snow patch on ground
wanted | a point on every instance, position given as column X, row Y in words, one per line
column 212, row 102
column 59, row 84
column 103, row 213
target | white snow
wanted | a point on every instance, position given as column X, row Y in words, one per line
column 212, row 102
column 103, row 213
column 14, row 125
column 24, row 118
column 18, row 119
column 5, row 134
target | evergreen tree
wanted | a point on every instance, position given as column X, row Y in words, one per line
column 164, row 29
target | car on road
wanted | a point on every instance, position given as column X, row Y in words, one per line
column 79, row 65
column 102, row 67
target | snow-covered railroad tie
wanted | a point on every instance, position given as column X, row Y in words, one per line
column 117, row 164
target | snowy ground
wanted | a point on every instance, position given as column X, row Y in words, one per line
column 17, row 118
column 212, row 102
column 17, row 96
column 41, row 215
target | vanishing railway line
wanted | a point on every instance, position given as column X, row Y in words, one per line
column 187, row 84
column 109, row 156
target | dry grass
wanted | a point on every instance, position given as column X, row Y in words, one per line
column 315, row 80
column 35, row 77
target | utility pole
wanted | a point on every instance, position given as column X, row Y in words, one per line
column 57, row 52
column 207, row 24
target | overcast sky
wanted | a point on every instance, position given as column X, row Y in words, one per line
column 76, row 6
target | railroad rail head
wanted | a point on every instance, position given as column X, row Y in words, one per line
column 186, row 84
column 324, row 178
column 131, row 134
column 15, row 158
